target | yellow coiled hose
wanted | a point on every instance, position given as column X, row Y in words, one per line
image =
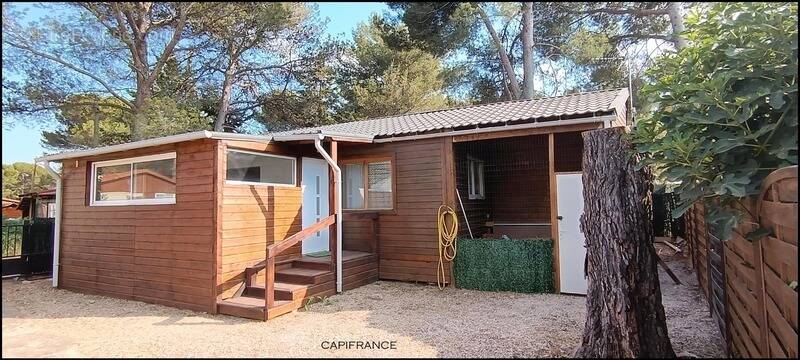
column 447, row 241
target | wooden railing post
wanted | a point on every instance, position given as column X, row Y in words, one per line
column 332, row 239
column 269, row 285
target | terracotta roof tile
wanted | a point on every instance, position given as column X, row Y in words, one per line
column 518, row 110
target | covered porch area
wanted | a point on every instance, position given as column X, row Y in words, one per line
column 525, row 185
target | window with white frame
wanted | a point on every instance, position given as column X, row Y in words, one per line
column 475, row 181
column 245, row 167
column 134, row 181
column 373, row 176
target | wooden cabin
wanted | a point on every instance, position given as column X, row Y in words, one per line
column 254, row 225
column 11, row 209
column 38, row 205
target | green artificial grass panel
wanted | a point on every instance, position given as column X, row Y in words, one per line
column 524, row 265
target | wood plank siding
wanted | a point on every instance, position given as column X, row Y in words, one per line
column 155, row 253
column 408, row 233
column 255, row 216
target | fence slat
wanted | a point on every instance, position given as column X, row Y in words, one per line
column 761, row 315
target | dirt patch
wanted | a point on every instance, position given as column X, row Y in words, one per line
column 423, row 322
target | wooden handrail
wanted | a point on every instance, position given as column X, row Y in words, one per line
column 279, row 247
column 275, row 249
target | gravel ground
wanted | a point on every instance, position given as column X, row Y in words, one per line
column 39, row 321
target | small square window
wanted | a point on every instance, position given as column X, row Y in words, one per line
column 368, row 185
column 475, row 183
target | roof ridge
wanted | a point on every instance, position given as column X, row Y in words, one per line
column 479, row 105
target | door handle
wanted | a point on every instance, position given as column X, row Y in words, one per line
column 559, row 217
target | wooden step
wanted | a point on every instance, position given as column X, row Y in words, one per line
column 283, row 291
column 303, row 276
column 253, row 308
column 242, row 306
column 283, row 307
column 313, row 263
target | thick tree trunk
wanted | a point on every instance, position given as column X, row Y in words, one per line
column 527, row 50
column 625, row 317
column 676, row 20
column 504, row 60
column 143, row 89
column 225, row 100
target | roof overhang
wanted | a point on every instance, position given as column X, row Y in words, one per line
column 154, row 142
column 322, row 134
column 605, row 119
column 333, row 135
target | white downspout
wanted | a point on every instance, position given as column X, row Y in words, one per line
column 57, row 229
column 337, row 174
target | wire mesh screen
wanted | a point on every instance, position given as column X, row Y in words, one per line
column 516, row 178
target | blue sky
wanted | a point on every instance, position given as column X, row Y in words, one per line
column 22, row 143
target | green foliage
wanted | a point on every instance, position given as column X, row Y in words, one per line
column 722, row 113
column 390, row 76
column 12, row 237
column 505, row 265
column 437, row 27
column 19, row 178
column 584, row 46
column 79, row 115
column 410, row 83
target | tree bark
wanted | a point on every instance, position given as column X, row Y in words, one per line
column 504, row 60
column 625, row 316
column 96, row 126
column 227, row 88
column 527, row 50
column 676, row 20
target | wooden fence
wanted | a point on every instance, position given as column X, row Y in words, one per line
column 751, row 287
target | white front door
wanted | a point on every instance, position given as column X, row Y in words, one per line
column 315, row 202
column 571, row 242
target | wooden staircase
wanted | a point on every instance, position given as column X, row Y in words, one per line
column 289, row 285
column 295, row 283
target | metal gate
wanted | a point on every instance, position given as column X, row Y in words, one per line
column 28, row 247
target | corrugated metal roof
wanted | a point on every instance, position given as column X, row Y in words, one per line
column 477, row 115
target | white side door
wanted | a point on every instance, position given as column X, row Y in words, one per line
column 571, row 242
column 315, row 202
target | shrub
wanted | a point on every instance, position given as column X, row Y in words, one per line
column 722, row 113
column 505, row 265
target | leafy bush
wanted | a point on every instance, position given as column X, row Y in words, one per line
column 722, row 113
column 505, row 265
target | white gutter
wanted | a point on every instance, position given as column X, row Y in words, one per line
column 57, row 226
column 606, row 119
column 331, row 134
column 337, row 174
column 155, row 142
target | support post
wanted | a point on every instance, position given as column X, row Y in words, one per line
column 551, row 169
column 449, row 188
column 269, row 285
column 332, row 205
